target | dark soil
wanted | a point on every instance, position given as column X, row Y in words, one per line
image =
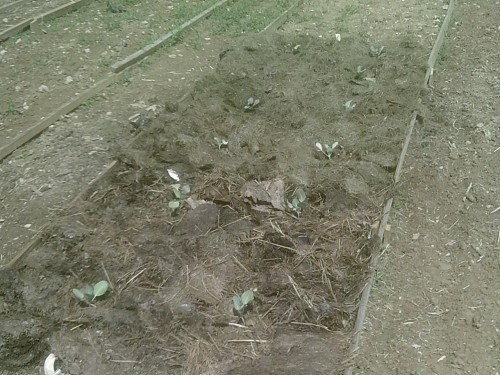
column 173, row 274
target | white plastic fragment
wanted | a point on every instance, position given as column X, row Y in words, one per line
column 48, row 366
column 337, row 36
column 173, row 174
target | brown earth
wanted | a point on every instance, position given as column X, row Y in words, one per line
column 173, row 273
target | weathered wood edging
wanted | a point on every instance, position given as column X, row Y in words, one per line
column 365, row 296
column 150, row 48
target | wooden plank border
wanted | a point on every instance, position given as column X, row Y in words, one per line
column 278, row 22
column 34, row 22
column 13, row 30
column 438, row 44
column 66, row 108
column 10, row 5
column 58, row 12
column 150, row 48
column 377, row 251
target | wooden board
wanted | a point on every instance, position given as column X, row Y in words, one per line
column 150, row 48
column 278, row 22
column 11, row 31
column 58, row 12
column 438, row 44
column 66, row 108
column 3, row 8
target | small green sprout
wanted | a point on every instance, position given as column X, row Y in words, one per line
column 220, row 143
column 360, row 72
column 241, row 303
column 376, row 51
column 181, row 193
column 349, row 105
column 326, row 149
column 251, row 103
column 89, row 294
column 298, row 201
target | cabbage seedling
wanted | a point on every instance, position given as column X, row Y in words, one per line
column 89, row 293
column 252, row 103
column 376, row 51
column 360, row 72
column 241, row 303
column 181, row 192
column 220, row 143
column 349, row 105
column 326, row 149
column 298, row 201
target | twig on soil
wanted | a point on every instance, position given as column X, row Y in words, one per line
column 125, row 361
column 231, row 223
column 269, row 310
column 495, row 210
column 302, row 297
column 107, row 276
column 237, row 325
column 277, row 245
column 135, row 277
column 312, row 325
column 239, row 264
column 251, row 341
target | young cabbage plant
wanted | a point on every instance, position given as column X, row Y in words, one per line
column 181, row 193
column 252, row 103
column 360, row 72
column 376, row 51
column 326, row 149
column 220, row 143
column 241, row 303
column 349, row 105
column 298, row 201
column 90, row 293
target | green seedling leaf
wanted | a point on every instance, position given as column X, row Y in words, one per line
column 376, row 51
column 300, row 195
column 238, row 304
column 100, row 289
column 219, row 142
column 349, row 105
column 174, row 205
column 247, row 297
column 88, row 291
column 78, row 294
column 185, row 190
column 176, row 190
column 360, row 71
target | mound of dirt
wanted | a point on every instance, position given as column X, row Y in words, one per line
column 258, row 207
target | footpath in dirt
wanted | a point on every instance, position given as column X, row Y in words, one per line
column 435, row 307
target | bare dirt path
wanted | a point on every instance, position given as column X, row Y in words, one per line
column 435, row 306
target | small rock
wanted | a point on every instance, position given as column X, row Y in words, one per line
column 27, row 225
column 18, row 41
column 86, row 50
column 68, row 80
column 43, row 88
column 6, row 20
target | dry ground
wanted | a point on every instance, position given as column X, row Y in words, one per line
column 174, row 274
